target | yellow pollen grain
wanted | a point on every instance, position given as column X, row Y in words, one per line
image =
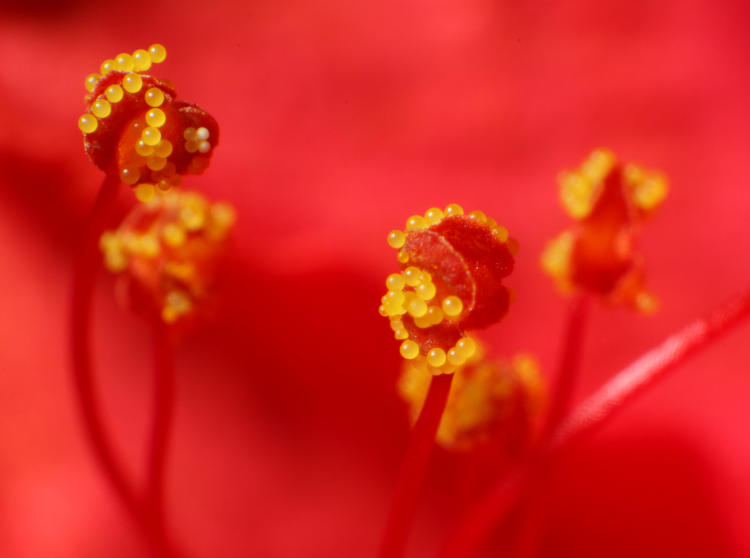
column 415, row 223
column 143, row 149
column 156, row 163
column 164, row 149
column 500, row 232
column 436, row 357
column 90, row 82
column 395, row 282
column 396, row 239
column 145, row 192
column 433, row 215
column 478, row 216
column 158, row 53
column 101, row 108
column 426, row 291
column 107, row 66
column 141, row 60
column 455, row 357
column 452, row 306
column 114, row 93
column 156, row 118
column 423, row 322
column 435, row 315
column 416, row 307
column 124, row 62
column 151, row 136
column 409, row 350
column 173, row 235
column 411, row 275
column 87, row 124
column 382, row 311
column 467, row 347
column 154, row 97
column 453, row 209
column 129, row 175
column 401, row 334
column 402, row 256
column 132, row 83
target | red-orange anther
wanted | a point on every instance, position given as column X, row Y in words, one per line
column 608, row 201
column 167, row 251
column 136, row 127
column 451, row 280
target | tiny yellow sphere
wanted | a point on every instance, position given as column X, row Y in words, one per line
column 156, row 117
column 141, row 60
column 409, row 349
column 114, row 93
column 396, row 239
column 143, row 149
column 416, row 307
column 500, row 232
column 467, row 347
column 401, row 334
column 158, row 53
column 395, row 282
column 423, row 322
column 145, row 192
column 124, row 62
column 426, row 291
column 435, row 315
column 402, row 256
column 151, row 136
column 478, row 216
column 129, row 175
column 132, row 83
column 154, row 97
column 156, row 163
column 101, row 108
column 107, row 66
column 411, row 275
column 88, row 124
column 164, row 149
column 454, row 209
column 381, row 308
column 436, row 357
column 90, row 82
column 452, row 306
column 455, row 357
column 416, row 222
column 174, row 235
column 397, row 297
column 433, row 215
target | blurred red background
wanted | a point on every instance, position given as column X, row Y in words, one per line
column 339, row 120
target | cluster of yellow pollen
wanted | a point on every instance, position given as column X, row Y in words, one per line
column 137, row 62
column 483, row 395
column 413, row 293
column 433, row 216
column 579, row 189
column 168, row 245
column 197, row 140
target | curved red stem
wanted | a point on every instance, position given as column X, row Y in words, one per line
column 84, row 275
column 593, row 413
column 413, row 468
column 161, row 426
column 84, row 278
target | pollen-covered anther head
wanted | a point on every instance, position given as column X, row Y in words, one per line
column 167, row 250
column 490, row 402
column 136, row 128
column 609, row 202
column 452, row 268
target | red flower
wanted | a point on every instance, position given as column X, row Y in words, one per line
column 335, row 116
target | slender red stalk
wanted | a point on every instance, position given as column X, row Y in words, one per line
column 568, row 365
column 592, row 414
column 84, row 278
column 161, row 426
column 413, row 468
column 536, row 511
